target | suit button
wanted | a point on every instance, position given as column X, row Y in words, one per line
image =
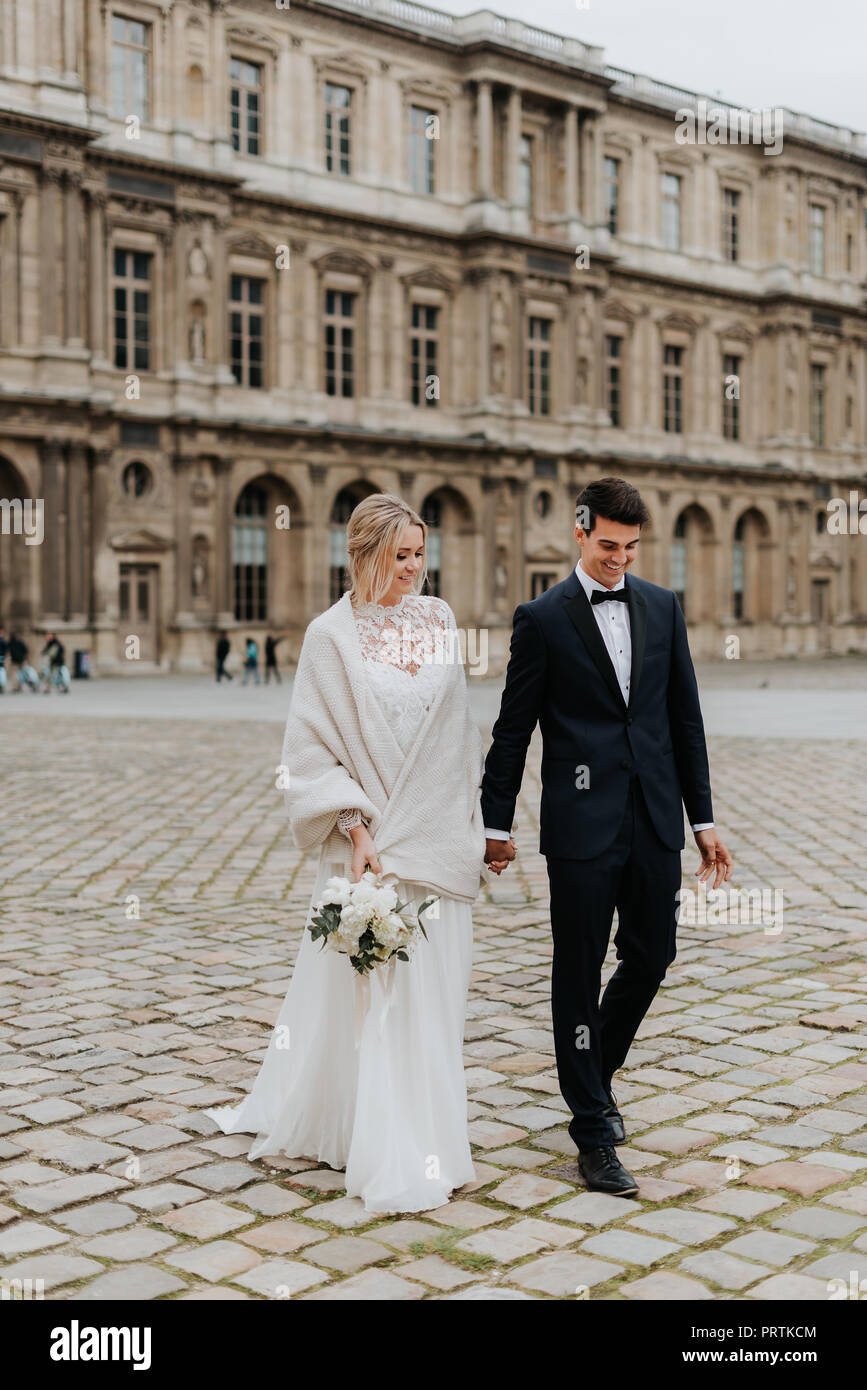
column 625, row 765
column 629, row 719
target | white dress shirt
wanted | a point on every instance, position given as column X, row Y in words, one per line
column 612, row 619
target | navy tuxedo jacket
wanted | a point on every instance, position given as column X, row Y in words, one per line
column 561, row 676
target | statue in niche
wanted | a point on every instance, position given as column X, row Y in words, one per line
column 197, row 261
column 583, row 356
column 498, row 369
column 501, row 580
column 499, row 338
column 791, row 386
column 200, row 568
column 197, row 332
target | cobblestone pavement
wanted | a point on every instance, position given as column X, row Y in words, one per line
column 745, row 1095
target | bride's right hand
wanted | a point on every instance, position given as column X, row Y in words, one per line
column 363, row 852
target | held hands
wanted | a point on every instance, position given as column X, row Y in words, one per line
column 499, row 854
column 715, row 858
column 363, row 852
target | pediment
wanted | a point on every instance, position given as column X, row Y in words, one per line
column 251, row 245
column 548, row 555
column 141, row 539
column 430, row 276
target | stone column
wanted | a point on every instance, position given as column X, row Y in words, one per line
column 53, row 491
column 96, row 272
column 219, row 351
column 570, row 131
column 484, row 140
column 50, row 218
column 317, row 550
column 223, row 599
column 513, row 147
column 77, row 531
column 183, row 528
column 589, row 172
column 70, row 53
column 72, row 258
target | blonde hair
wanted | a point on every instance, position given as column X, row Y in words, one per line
column 372, row 538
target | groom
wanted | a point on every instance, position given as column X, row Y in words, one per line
column 601, row 661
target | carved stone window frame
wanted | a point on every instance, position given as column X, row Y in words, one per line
column 253, row 257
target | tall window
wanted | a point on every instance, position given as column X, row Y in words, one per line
column 525, row 172
column 817, row 239
column 422, row 123
column 738, row 569
column 130, row 66
column 612, row 193
column 539, row 366
column 339, row 343
column 613, row 379
column 731, row 224
column 678, row 561
column 245, row 105
column 132, row 310
column 731, row 419
column 338, row 131
column 250, row 554
column 247, row 330
column 672, row 385
column 423, row 347
column 818, row 387
column 432, row 516
column 671, row 211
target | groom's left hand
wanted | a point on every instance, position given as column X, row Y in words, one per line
column 715, row 858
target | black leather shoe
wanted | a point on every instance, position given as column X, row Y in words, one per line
column 602, row 1171
column 615, row 1119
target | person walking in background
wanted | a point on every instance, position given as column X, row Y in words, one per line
column 54, row 671
column 271, row 658
column 18, row 658
column 25, row 674
column 251, row 661
column 222, row 652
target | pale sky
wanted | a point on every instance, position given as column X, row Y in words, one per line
column 808, row 56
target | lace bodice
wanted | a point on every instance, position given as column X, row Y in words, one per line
column 406, row 647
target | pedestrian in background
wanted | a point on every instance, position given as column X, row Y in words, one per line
column 222, row 652
column 251, row 662
column 25, row 674
column 271, row 658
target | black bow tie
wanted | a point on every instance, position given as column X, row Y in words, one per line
column 604, row 595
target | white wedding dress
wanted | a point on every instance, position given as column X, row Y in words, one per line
column 373, row 1082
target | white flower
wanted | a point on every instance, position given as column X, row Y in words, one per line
column 385, row 900
column 364, row 894
column 337, row 890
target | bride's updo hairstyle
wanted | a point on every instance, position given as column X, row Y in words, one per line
column 372, row 538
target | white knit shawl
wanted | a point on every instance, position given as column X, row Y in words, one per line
column 339, row 752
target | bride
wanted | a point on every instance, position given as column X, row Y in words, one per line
column 382, row 765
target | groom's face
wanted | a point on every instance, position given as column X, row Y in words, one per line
column 608, row 550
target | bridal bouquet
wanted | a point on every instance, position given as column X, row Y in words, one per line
column 365, row 921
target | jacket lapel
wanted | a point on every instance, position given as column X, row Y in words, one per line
column 638, row 631
column 580, row 614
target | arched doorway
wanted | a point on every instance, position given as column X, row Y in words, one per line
column 751, row 578
column 19, row 519
column 450, row 551
column 267, row 561
column 692, row 563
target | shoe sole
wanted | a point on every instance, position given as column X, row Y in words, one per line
column 611, row 1191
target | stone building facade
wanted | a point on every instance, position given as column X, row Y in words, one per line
column 257, row 261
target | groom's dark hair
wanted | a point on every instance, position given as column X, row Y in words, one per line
column 614, row 500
